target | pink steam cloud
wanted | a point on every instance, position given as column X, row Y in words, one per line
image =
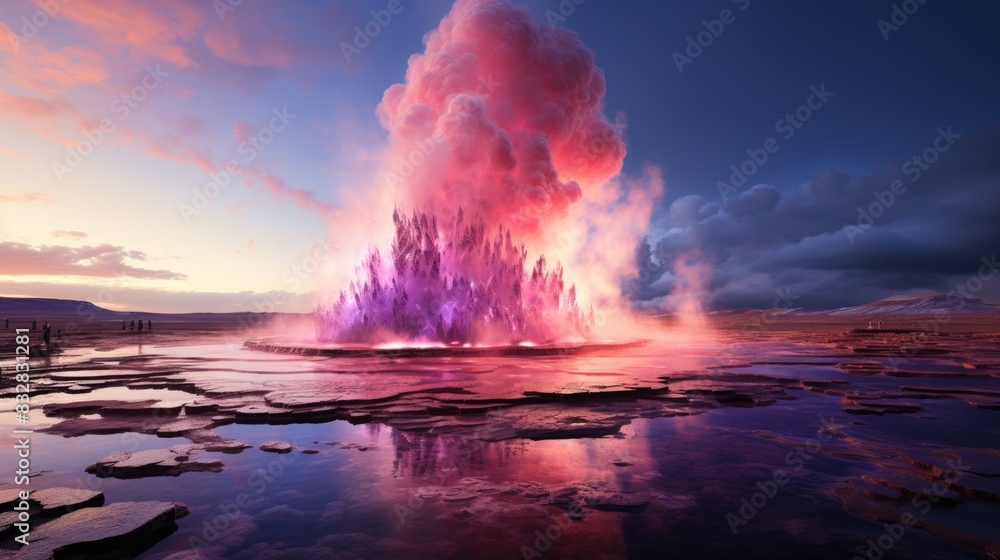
column 503, row 110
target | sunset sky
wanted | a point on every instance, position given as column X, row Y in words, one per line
column 113, row 114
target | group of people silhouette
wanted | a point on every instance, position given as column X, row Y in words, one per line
column 132, row 326
column 46, row 328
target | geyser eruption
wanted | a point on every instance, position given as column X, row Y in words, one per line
column 500, row 161
column 456, row 285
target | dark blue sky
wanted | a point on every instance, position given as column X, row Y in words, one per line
column 939, row 69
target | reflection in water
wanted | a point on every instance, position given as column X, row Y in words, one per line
column 510, row 498
column 482, row 499
column 424, row 456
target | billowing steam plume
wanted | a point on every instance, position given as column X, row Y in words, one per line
column 499, row 147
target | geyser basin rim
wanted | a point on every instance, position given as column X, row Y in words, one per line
column 280, row 345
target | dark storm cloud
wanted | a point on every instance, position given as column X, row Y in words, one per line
column 841, row 239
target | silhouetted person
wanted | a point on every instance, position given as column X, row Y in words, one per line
column 149, row 325
column 123, row 325
column 6, row 323
column 34, row 325
column 140, row 326
column 131, row 326
column 46, row 335
column 869, row 324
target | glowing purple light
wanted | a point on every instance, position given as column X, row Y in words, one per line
column 452, row 285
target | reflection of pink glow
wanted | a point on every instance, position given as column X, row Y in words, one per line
column 439, row 463
column 399, row 345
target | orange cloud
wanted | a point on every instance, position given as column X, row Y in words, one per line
column 280, row 190
column 177, row 144
column 68, row 233
column 248, row 249
column 230, row 43
column 34, row 107
column 151, row 30
column 55, row 118
column 265, row 35
column 105, row 261
column 34, row 66
column 25, row 198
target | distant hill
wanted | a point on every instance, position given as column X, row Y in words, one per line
column 918, row 306
column 49, row 308
column 66, row 309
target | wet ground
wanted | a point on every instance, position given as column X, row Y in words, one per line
column 739, row 443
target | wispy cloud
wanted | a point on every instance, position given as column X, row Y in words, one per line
column 25, row 198
column 271, row 35
column 67, row 233
column 104, row 261
column 34, row 107
column 159, row 30
column 37, row 67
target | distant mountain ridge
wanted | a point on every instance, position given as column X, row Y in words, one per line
column 918, row 306
column 51, row 308
column 15, row 308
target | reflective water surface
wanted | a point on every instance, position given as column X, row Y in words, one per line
column 696, row 449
